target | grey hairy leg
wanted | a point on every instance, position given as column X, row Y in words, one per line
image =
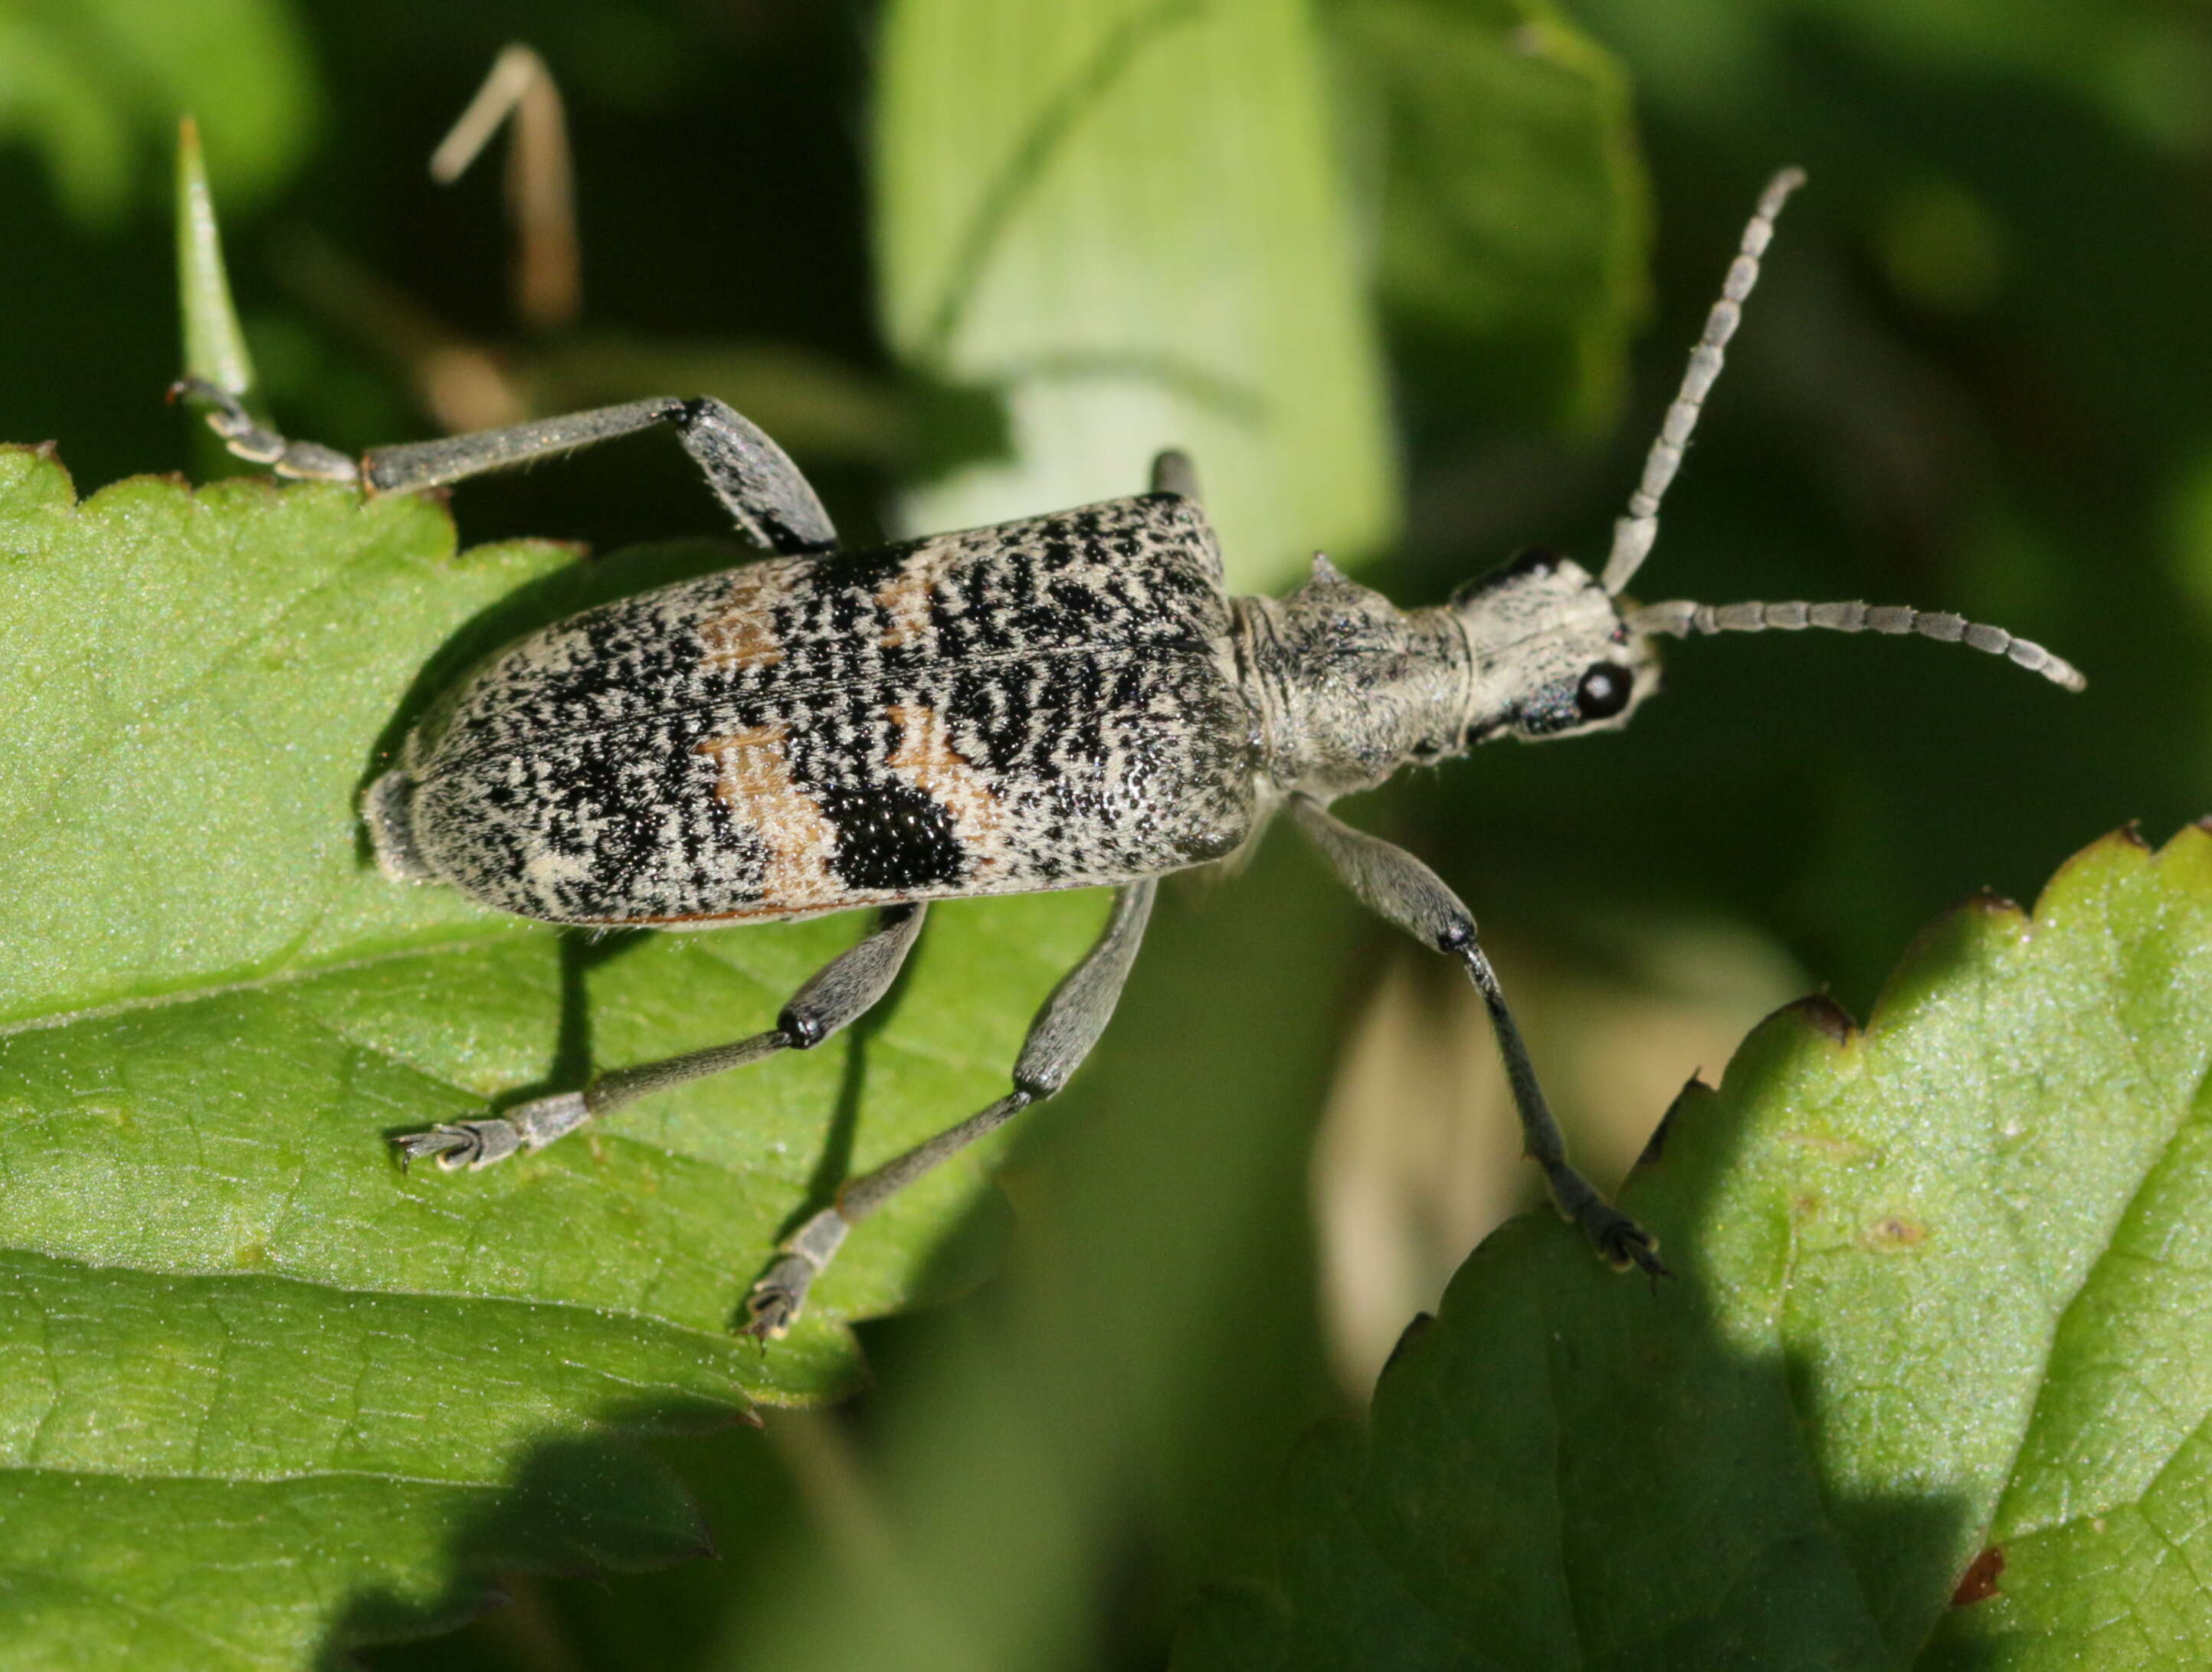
column 752, row 477
column 838, row 994
column 1398, row 886
column 1060, row 1038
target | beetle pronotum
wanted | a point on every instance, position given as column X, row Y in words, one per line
column 1072, row 701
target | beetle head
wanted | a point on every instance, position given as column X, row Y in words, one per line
column 1549, row 653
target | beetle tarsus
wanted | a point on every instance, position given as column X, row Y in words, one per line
column 457, row 1143
column 475, row 1144
column 1626, row 1246
column 1620, row 1242
column 257, row 444
column 774, row 1300
column 777, row 1298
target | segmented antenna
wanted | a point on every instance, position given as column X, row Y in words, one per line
column 1632, row 535
column 1682, row 619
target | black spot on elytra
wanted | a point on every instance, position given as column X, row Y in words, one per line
column 1075, row 601
column 867, row 570
column 891, row 837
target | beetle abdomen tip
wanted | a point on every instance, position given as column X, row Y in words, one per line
column 387, row 807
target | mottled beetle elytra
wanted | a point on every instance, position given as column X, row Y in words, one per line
column 1072, row 701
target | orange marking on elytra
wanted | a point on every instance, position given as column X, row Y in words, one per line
column 906, row 597
column 754, row 781
column 743, row 635
column 926, row 759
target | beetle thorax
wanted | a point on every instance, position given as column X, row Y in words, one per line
column 1346, row 687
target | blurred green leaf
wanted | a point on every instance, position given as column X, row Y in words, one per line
column 97, row 85
column 50, row 99
column 261, row 1386
column 1942, row 1293
column 1126, row 218
column 2190, row 537
column 2144, row 66
column 1515, row 216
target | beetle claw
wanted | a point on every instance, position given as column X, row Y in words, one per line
column 768, row 1313
column 775, row 1300
column 1625, row 1244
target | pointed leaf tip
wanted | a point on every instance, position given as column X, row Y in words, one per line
column 1972, row 932
column 1655, row 1146
column 215, row 346
column 1823, row 1015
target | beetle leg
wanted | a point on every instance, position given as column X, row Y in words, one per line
column 1060, row 1038
column 752, row 477
column 838, row 994
column 1174, row 473
column 304, row 461
column 1398, row 886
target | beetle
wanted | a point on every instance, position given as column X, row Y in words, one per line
column 1071, row 700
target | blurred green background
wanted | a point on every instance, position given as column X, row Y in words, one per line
column 1474, row 237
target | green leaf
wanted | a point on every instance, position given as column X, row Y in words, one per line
column 261, row 1388
column 1724, row 64
column 1125, row 217
column 1942, row 1293
column 1515, row 218
column 96, row 84
column 214, row 345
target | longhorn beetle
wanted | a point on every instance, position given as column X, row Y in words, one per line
column 1071, row 700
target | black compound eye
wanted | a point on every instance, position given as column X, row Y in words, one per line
column 1604, row 690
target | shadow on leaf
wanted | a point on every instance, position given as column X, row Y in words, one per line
column 1905, row 1252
